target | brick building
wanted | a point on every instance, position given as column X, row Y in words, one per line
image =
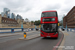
column 7, row 22
column 69, row 19
column 12, row 23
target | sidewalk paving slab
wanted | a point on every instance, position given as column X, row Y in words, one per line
column 68, row 42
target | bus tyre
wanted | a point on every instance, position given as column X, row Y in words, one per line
column 56, row 37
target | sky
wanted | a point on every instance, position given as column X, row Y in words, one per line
column 32, row 9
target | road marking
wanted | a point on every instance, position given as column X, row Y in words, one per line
column 59, row 41
column 63, row 41
column 66, row 34
column 29, row 32
column 62, row 44
column 17, row 34
column 30, row 37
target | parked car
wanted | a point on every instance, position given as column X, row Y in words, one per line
column 37, row 29
column 31, row 28
column 63, row 29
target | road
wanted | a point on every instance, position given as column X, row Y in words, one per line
column 40, row 43
column 4, row 39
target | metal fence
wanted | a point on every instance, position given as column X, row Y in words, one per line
column 71, row 29
column 13, row 30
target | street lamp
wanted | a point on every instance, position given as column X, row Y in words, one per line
column 22, row 24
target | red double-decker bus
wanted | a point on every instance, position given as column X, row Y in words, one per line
column 49, row 24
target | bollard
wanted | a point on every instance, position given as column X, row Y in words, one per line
column 28, row 29
column 70, row 29
column 12, row 30
column 24, row 34
column 67, row 30
column 74, row 29
column 22, row 29
column 32, row 29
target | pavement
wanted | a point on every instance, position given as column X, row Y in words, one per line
column 68, row 42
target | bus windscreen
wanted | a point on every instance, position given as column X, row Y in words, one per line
column 49, row 28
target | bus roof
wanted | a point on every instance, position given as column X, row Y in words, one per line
column 49, row 11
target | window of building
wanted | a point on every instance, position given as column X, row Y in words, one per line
column 5, row 20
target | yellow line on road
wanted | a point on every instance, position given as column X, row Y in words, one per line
column 61, row 45
column 66, row 34
column 63, row 41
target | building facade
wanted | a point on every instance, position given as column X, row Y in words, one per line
column 2, row 14
column 69, row 19
column 18, row 17
column 7, row 22
column 7, row 12
column 12, row 16
column 12, row 23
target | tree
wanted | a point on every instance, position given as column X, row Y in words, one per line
column 32, row 21
column 37, row 22
column 26, row 20
column 60, row 22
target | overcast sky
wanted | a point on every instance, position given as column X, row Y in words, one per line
column 32, row 9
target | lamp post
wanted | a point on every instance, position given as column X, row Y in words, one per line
column 35, row 26
column 66, row 25
column 21, row 24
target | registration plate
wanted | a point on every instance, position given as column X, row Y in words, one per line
column 48, row 36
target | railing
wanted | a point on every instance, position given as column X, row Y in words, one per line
column 71, row 29
column 13, row 30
